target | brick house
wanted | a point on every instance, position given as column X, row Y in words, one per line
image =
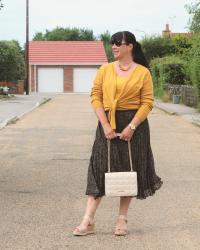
column 64, row 66
column 167, row 33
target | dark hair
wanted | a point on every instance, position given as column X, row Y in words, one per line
column 129, row 38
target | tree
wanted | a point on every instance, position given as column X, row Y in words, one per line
column 12, row 66
column 39, row 36
column 157, row 46
column 65, row 34
column 1, row 5
column 105, row 37
column 194, row 11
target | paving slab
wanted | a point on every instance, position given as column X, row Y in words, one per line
column 16, row 106
column 188, row 113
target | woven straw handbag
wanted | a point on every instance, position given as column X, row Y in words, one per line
column 121, row 183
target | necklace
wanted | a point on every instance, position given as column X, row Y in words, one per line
column 125, row 68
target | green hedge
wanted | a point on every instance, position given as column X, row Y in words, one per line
column 173, row 61
column 157, row 46
column 167, row 71
column 194, row 65
column 182, row 46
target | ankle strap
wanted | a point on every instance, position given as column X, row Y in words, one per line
column 90, row 219
column 123, row 217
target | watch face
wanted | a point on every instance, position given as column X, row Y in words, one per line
column 132, row 126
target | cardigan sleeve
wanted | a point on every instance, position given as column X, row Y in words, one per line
column 97, row 92
column 146, row 97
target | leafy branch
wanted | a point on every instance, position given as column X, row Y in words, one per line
column 1, row 5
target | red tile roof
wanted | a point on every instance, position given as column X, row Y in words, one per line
column 67, row 53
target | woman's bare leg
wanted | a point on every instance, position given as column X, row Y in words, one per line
column 121, row 226
column 87, row 224
column 92, row 205
column 124, row 205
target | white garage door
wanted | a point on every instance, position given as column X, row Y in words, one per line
column 50, row 80
column 83, row 79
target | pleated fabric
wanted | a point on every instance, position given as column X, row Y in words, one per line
column 143, row 161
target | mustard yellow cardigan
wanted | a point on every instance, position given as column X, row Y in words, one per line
column 136, row 92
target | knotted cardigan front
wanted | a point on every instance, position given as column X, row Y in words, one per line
column 136, row 92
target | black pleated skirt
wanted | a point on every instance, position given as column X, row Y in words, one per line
column 142, row 157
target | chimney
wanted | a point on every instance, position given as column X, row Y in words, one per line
column 167, row 27
column 167, row 31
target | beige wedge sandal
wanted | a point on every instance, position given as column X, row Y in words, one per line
column 121, row 230
column 85, row 230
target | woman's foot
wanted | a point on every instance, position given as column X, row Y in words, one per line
column 86, row 227
column 121, row 227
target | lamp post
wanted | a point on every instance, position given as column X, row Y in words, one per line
column 27, row 47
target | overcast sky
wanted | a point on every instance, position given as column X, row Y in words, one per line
column 138, row 16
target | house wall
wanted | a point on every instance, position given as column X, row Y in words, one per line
column 68, row 79
column 14, row 87
column 167, row 33
column 68, row 76
column 32, row 79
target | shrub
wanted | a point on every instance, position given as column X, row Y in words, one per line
column 182, row 46
column 157, row 46
column 194, row 64
column 167, row 71
column 174, row 73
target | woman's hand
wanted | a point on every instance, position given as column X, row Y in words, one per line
column 126, row 134
column 108, row 131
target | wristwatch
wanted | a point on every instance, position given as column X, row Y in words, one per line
column 132, row 126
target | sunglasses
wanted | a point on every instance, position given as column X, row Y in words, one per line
column 117, row 43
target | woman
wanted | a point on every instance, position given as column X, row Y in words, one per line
column 122, row 97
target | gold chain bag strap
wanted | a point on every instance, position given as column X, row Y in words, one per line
column 121, row 183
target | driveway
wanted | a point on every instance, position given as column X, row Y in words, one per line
column 43, row 170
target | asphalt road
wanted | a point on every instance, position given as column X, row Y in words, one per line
column 43, row 169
